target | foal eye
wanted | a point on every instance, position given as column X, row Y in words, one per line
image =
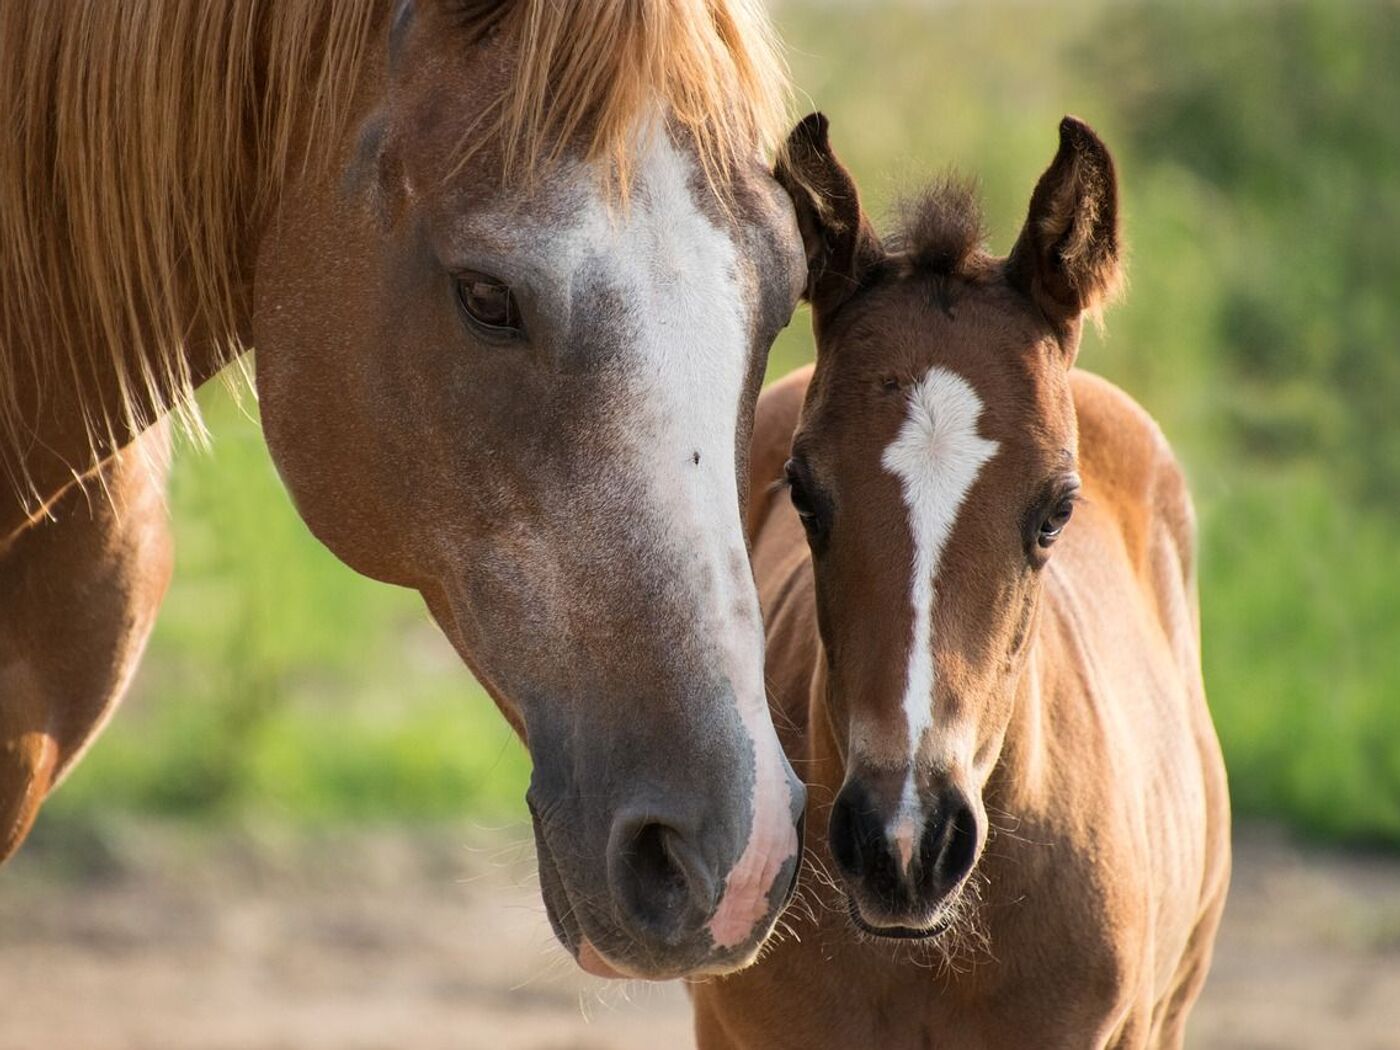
column 1054, row 523
column 801, row 499
column 489, row 304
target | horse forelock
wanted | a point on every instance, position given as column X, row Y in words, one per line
column 584, row 76
column 145, row 139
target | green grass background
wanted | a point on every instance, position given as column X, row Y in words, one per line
column 1259, row 152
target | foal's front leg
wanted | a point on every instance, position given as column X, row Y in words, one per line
column 78, row 597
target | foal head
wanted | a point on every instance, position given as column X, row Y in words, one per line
column 934, row 469
column 490, row 374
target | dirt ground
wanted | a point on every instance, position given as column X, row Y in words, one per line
column 140, row 939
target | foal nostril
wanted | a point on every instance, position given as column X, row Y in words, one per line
column 855, row 833
column 949, row 846
column 664, row 887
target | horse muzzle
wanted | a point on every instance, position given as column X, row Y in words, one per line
column 665, row 909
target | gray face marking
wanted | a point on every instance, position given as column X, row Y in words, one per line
column 668, row 282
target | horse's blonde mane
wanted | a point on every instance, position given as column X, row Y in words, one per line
column 143, row 137
column 140, row 139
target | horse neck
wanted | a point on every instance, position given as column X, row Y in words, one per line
column 82, row 390
column 62, row 417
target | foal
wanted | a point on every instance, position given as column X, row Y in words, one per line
column 999, row 711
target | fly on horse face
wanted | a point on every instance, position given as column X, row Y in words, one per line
column 512, row 269
column 983, row 635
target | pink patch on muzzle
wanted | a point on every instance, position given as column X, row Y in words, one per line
column 772, row 843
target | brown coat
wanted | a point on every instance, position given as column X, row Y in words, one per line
column 1098, row 820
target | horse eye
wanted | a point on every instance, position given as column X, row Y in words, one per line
column 1054, row 523
column 489, row 303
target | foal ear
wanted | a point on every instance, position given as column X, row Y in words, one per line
column 841, row 245
column 1067, row 258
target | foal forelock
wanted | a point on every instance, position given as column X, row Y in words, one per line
column 937, row 457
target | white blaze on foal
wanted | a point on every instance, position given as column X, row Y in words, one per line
column 937, row 456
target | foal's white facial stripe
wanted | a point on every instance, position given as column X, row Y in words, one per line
column 937, row 457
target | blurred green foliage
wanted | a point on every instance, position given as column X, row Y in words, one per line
column 1259, row 151
column 278, row 684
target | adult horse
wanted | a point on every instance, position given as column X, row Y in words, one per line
column 957, row 657
column 512, row 268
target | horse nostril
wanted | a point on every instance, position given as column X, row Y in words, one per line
column 662, row 883
column 653, row 858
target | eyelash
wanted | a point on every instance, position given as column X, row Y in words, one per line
column 807, row 511
column 1061, row 508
